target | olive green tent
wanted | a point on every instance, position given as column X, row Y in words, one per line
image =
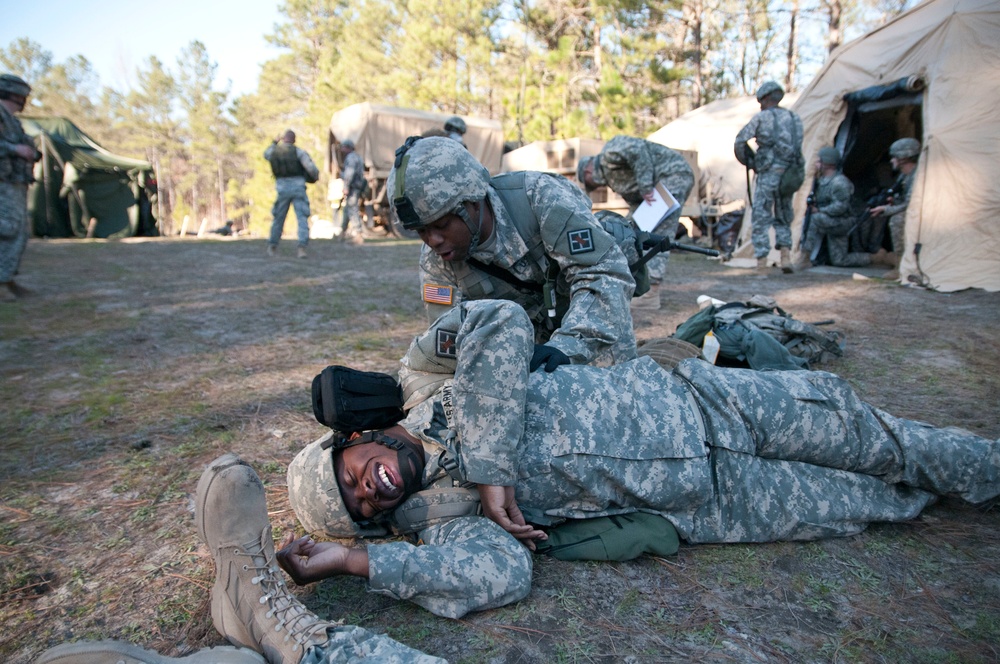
column 82, row 190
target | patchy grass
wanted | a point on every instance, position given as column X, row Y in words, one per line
column 135, row 363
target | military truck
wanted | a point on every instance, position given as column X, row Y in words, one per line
column 378, row 130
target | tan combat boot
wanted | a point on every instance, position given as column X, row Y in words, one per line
column 762, row 262
column 271, row 250
column 250, row 604
column 786, row 260
column 301, row 253
column 119, row 652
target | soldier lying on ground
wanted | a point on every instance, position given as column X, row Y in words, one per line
column 724, row 455
column 251, row 606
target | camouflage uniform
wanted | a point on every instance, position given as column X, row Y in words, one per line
column 897, row 211
column 629, row 166
column 779, row 141
column 726, row 455
column 353, row 177
column 15, row 176
column 291, row 192
column 356, row 645
column 833, row 219
column 593, row 288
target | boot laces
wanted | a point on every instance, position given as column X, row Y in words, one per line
column 300, row 624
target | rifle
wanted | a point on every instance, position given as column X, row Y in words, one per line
column 866, row 234
column 809, row 213
column 657, row 244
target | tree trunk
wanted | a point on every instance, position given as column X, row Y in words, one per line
column 793, row 47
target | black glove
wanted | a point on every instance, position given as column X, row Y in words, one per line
column 550, row 356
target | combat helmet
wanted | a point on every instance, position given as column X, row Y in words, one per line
column 315, row 495
column 455, row 124
column 433, row 177
column 770, row 88
column 15, row 85
column 905, row 148
column 829, row 155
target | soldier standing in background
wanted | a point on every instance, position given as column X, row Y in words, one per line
column 904, row 154
column 778, row 132
column 17, row 159
column 832, row 217
column 353, row 175
column 455, row 129
column 292, row 168
column 529, row 237
column 632, row 167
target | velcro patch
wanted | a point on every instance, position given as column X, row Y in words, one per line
column 438, row 294
column 445, row 346
column 580, row 241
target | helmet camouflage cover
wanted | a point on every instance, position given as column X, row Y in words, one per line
column 905, row 148
column 14, row 85
column 769, row 88
column 432, row 178
column 315, row 495
column 829, row 155
column 456, row 124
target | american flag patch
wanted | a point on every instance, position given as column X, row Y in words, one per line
column 437, row 294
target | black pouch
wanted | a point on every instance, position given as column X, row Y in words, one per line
column 348, row 400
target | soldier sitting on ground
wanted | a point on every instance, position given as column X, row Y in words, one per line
column 903, row 154
column 831, row 218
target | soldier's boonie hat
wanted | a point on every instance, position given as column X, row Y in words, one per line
column 433, row 177
column 770, row 88
column 905, row 148
column 829, row 155
column 347, row 143
column 315, row 495
column 455, row 124
column 14, row 85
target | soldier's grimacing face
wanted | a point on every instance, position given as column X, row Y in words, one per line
column 369, row 479
column 448, row 237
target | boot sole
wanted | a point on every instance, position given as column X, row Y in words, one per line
column 102, row 652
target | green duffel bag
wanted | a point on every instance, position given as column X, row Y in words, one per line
column 620, row 537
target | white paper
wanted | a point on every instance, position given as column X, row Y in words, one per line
column 648, row 215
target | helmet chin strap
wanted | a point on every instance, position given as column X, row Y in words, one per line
column 405, row 454
column 478, row 230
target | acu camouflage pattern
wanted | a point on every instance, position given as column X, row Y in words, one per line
column 354, row 645
column 631, row 166
column 292, row 192
column 593, row 323
column 726, row 455
column 778, row 132
column 834, row 220
column 440, row 175
column 897, row 211
column 15, row 176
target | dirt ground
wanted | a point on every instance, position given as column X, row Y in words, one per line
column 135, row 363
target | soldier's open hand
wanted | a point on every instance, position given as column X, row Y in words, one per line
column 306, row 560
column 500, row 507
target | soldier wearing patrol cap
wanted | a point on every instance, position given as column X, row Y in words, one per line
column 528, row 237
column 17, row 159
column 831, row 217
column 722, row 455
column 778, row 133
column 903, row 155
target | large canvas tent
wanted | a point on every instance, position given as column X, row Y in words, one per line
column 83, row 190
column 932, row 73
